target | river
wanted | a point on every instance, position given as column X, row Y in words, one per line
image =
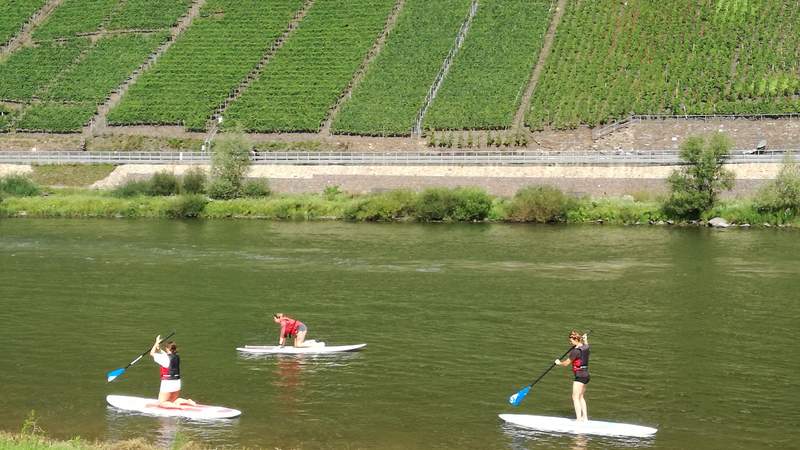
column 693, row 330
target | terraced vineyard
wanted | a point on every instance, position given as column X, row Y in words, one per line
column 309, row 73
column 206, row 64
column 613, row 58
column 64, row 75
column 610, row 58
column 14, row 14
column 394, row 88
column 488, row 78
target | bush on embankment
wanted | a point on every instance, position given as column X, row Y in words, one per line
column 18, row 185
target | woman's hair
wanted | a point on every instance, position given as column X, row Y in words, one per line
column 171, row 346
column 277, row 315
column 576, row 335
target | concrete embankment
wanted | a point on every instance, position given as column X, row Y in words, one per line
column 497, row 180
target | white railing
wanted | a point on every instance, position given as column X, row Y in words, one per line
column 452, row 158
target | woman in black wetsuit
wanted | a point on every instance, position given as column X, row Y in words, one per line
column 579, row 359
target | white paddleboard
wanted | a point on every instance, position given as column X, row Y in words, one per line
column 564, row 425
column 150, row 406
column 318, row 349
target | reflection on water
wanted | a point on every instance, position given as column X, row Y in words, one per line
column 523, row 439
column 168, row 431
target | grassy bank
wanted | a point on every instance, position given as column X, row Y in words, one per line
column 26, row 441
column 433, row 205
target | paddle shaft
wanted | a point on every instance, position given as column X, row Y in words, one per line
column 554, row 364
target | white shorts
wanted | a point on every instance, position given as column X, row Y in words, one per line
column 170, row 386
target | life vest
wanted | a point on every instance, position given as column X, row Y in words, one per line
column 289, row 326
column 581, row 363
column 173, row 372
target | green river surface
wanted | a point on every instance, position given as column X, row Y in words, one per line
column 694, row 330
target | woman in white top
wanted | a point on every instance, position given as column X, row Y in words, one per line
column 170, row 362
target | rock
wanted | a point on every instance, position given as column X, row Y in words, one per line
column 670, row 222
column 660, row 222
column 718, row 222
column 745, row 225
column 766, row 225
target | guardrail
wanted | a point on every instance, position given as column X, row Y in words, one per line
column 455, row 158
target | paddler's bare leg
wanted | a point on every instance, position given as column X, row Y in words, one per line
column 300, row 338
column 581, row 412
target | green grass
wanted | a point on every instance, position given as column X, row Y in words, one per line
column 14, row 14
column 73, row 175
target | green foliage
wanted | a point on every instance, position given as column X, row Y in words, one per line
column 781, row 195
column 193, row 181
column 386, row 102
column 19, row 185
column 13, row 15
column 29, row 69
column 256, row 189
column 56, row 117
column 539, row 204
column 206, row 64
column 148, row 14
column 31, row 426
column 384, row 207
column 70, row 174
column 73, row 17
column 132, row 188
column 332, row 192
column 614, row 211
column 613, row 58
column 484, row 86
column 312, row 69
column 163, row 184
column 230, row 160
column 695, row 188
column 460, row 204
column 186, row 206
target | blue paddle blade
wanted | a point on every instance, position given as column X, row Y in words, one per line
column 110, row 376
column 517, row 398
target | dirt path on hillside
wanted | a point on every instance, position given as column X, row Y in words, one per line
column 325, row 131
column 549, row 37
column 99, row 123
column 24, row 36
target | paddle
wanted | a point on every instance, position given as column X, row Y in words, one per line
column 111, row 376
column 517, row 398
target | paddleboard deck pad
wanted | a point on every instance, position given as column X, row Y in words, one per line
column 150, row 406
column 564, row 425
column 287, row 350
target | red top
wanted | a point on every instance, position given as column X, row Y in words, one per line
column 289, row 326
column 580, row 359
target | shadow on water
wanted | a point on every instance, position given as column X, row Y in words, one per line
column 522, row 439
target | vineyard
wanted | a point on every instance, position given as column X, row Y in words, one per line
column 14, row 14
column 613, row 58
column 485, row 85
column 66, row 74
column 294, row 65
column 206, row 64
column 309, row 73
column 394, row 88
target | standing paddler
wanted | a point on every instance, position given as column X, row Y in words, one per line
column 579, row 359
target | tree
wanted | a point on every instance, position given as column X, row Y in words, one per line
column 695, row 188
column 230, row 160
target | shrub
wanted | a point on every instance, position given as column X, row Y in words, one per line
column 230, row 160
column 222, row 189
column 186, row 206
column 132, row 188
column 781, row 195
column 194, row 181
column 255, row 189
column 695, row 188
column 540, row 204
column 461, row 204
column 332, row 192
column 19, row 185
column 384, row 207
column 163, row 184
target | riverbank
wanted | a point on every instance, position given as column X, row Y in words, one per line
column 432, row 205
column 20, row 441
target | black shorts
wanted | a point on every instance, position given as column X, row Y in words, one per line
column 582, row 379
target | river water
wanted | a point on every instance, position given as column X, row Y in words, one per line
column 693, row 330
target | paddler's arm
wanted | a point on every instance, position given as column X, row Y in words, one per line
column 156, row 348
column 282, row 338
column 565, row 362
